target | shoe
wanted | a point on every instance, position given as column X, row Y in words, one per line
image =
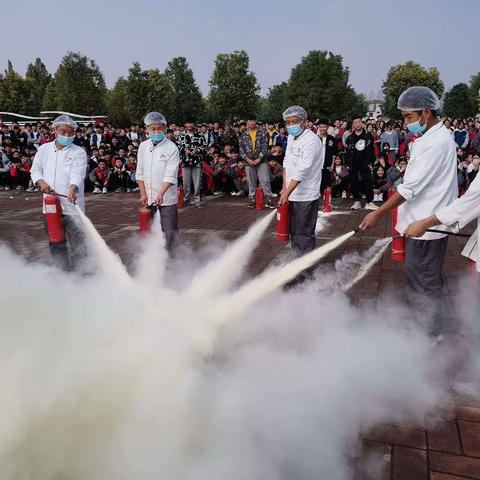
column 97, row 190
column 216, row 192
column 251, row 203
column 356, row 205
column 371, row 206
column 104, row 190
column 129, row 190
column 19, row 188
column 30, row 190
column 344, row 194
column 236, row 194
column 198, row 205
column 36, row 190
column 274, row 195
column 118, row 190
column 7, row 188
column 268, row 203
column 2, row 188
column 136, row 189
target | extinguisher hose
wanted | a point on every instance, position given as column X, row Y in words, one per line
column 61, row 195
column 449, row 233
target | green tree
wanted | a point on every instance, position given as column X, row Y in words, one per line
column 275, row 103
column 354, row 103
column 78, row 86
column 475, row 91
column 233, row 87
column 117, row 110
column 38, row 79
column 319, row 83
column 187, row 100
column 145, row 91
column 14, row 92
column 458, row 102
column 401, row 77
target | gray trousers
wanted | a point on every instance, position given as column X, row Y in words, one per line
column 425, row 282
column 76, row 239
column 260, row 172
column 302, row 219
column 192, row 174
column 169, row 224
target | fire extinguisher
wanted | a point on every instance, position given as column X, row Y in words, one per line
column 398, row 242
column 327, row 204
column 282, row 223
column 145, row 220
column 53, row 215
column 259, row 198
column 181, row 197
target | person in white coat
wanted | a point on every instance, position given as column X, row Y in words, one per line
column 157, row 176
column 429, row 183
column 60, row 167
column 302, row 178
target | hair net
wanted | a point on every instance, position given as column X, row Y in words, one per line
column 295, row 111
column 65, row 120
column 154, row 117
column 418, row 98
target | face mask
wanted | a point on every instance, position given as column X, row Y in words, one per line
column 65, row 141
column 156, row 137
column 415, row 127
column 295, row 130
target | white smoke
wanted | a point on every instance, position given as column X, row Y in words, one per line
column 134, row 379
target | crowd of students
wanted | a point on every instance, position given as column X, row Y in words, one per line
column 211, row 154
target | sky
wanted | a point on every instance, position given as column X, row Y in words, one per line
column 371, row 35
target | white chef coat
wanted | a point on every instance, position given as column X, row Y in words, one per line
column 61, row 168
column 430, row 180
column 157, row 164
column 461, row 212
column 303, row 162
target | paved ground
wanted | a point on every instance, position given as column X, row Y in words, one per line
column 449, row 450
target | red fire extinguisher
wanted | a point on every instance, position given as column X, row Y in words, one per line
column 327, row 204
column 282, row 223
column 398, row 242
column 181, row 197
column 53, row 215
column 259, row 198
column 145, row 215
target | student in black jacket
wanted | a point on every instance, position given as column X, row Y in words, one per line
column 360, row 158
column 329, row 150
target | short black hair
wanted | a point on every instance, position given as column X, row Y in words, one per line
column 323, row 121
column 357, row 115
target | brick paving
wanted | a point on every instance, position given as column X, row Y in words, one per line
column 449, row 449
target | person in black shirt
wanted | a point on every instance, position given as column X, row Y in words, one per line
column 360, row 157
column 330, row 150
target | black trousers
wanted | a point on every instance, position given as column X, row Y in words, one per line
column 303, row 218
column 361, row 168
column 61, row 257
column 169, row 224
column 425, row 283
column 326, row 180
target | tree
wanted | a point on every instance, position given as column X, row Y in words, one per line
column 319, row 83
column 401, row 77
column 354, row 103
column 117, row 103
column 275, row 103
column 38, row 79
column 475, row 91
column 78, row 86
column 187, row 100
column 458, row 102
column 233, row 87
column 145, row 91
column 14, row 92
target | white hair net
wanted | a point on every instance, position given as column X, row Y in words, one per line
column 65, row 120
column 417, row 98
column 295, row 111
column 154, row 117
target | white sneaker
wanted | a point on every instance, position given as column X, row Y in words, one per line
column 7, row 188
column 97, row 190
column 216, row 192
column 104, row 190
column 29, row 189
column 129, row 190
column 344, row 194
column 274, row 195
column 356, row 205
column 370, row 206
column 36, row 190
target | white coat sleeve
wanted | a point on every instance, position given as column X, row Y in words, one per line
column 171, row 169
column 419, row 175
column 36, row 172
column 463, row 209
column 140, row 161
column 79, row 170
column 310, row 155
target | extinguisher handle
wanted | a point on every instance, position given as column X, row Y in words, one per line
column 61, row 195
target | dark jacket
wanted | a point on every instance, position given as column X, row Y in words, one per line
column 247, row 152
column 331, row 149
column 359, row 149
column 197, row 144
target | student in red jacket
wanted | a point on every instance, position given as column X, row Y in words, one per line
column 100, row 177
